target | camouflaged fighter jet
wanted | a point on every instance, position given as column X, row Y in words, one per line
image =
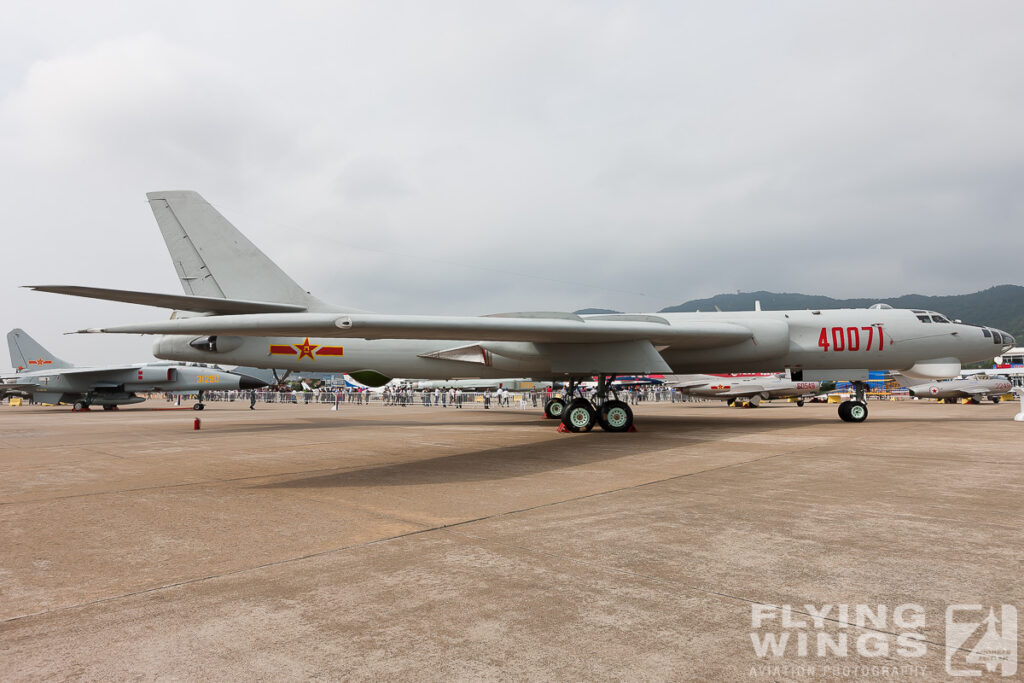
column 748, row 390
column 49, row 379
column 975, row 388
column 241, row 308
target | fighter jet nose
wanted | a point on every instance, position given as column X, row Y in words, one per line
column 247, row 382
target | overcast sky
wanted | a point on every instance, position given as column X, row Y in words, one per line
column 471, row 157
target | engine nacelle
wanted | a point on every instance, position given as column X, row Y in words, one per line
column 216, row 343
column 937, row 368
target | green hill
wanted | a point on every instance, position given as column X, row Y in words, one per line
column 594, row 311
column 1001, row 307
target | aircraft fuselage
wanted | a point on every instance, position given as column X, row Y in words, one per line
column 826, row 344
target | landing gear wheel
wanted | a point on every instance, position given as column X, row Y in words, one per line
column 994, row 399
column 853, row 411
column 554, row 408
column 731, row 402
column 615, row 416
column 79, row 406
column 579, row 416
column 799, row 403
column 198, row 406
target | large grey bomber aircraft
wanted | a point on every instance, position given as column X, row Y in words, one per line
column 49, row 379
column 239, row 307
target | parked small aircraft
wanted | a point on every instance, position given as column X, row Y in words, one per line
column 241, row 308
column 49, row 379
column 749, row 390
column 974, row 388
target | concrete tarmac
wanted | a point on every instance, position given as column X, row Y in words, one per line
column 294, row 542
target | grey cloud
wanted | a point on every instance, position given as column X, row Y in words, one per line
column 459, row 157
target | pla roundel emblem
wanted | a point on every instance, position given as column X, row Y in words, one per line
column 934, row 390
column 305, row 350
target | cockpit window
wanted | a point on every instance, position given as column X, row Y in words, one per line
column 939, row 318
column 985, row 332
column 924, row 318
column 996, row 337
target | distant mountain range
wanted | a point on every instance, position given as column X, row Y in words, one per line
column 1001, row 307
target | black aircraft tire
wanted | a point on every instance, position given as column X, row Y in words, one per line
column 554, row 408
column 844, row 411
column 80, row 405
column 799, row 403
column 994, row 399
column 198, row 406
column 857, row 412
column 615, row 416
column 579, row 416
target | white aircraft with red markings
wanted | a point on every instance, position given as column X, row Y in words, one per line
column 975, row 388
column 241, row 308
column 749, row 390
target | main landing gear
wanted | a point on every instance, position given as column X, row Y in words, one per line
column 580, row 415
column 553, row 408
column 199, row 397
column 857, row 409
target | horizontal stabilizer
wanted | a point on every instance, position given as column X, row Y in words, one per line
column 16, row 386
column 179, row 302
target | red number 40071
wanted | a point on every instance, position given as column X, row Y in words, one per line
column 850, row 338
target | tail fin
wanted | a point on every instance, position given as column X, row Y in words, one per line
column 214, row 259
column 28, row 354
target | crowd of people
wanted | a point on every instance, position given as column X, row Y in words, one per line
column 402, row 395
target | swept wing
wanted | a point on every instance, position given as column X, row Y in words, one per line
column 570, row 329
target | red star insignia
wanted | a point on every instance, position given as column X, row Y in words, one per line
column 306, row 349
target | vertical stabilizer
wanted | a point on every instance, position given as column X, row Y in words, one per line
column 212, row 258
column 28, row 354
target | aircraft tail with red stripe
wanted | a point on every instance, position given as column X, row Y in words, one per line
column 28, row 354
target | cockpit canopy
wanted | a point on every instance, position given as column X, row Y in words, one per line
column 931, row 317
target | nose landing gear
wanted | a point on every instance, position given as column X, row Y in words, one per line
column 857, row 409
